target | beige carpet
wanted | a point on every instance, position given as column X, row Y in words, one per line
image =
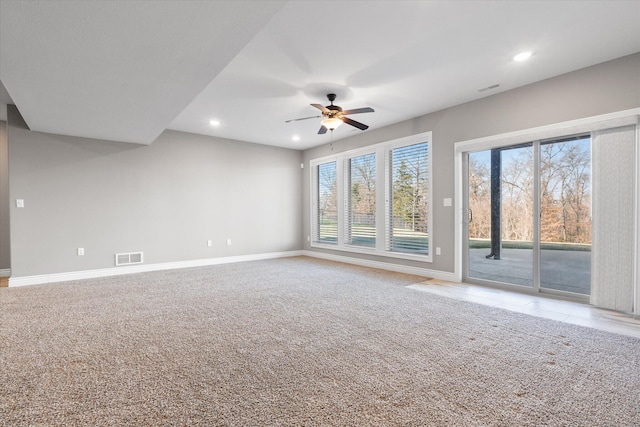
column 298, row 341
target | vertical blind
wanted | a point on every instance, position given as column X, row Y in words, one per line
column 408, row 206
column 613, row 218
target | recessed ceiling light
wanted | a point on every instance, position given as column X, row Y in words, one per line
column 214, row 123
column 523, row 56
column 295, row 138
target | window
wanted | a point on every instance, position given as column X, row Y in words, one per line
column 375, row 200
column 409, row 199
column 327, row 211
column 361, row 210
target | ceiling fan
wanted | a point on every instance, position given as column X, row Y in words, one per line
column 335, row 116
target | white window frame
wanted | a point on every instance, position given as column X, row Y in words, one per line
column 346, row 183
column 389, row 191
column 315, row 232
column 383, row 191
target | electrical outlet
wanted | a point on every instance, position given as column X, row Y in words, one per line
column 228, row 242
column 209, row 243
column 438, row 251
column 19, row 203
column 80, row 251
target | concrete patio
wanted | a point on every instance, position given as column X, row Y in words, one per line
column 562, row 270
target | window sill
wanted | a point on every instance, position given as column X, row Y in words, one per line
column 373, row 251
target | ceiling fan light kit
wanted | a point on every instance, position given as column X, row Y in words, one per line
column 334, row 116
column 331, row 123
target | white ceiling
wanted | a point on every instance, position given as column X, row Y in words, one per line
column 125, row 71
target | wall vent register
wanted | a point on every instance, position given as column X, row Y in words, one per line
column 129, row 258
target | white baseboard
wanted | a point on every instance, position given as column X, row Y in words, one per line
column 418, row 271
column 142, row 268
column 5, row 272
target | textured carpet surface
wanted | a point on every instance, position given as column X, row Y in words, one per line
column 298, row 341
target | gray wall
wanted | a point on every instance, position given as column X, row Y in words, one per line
column 604, row 88
column 5, row 250
column 166, row 199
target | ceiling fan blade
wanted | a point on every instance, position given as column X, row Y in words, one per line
column 322, row 130
column 304, row 118
column 321, row 108
column 353, row 123
column 359, row 110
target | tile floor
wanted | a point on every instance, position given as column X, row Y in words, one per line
column 537, row 305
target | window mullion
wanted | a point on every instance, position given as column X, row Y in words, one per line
column 314, row 202
column 343, row 199
column 381, row 190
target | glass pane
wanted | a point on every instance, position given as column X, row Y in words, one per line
column 327, row 214
column 565, row 215
column 501, row 215
column 409, row 199
column 361, row 221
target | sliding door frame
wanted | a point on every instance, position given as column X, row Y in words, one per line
column 536, row 217
column 557, row 130
column 636, row 271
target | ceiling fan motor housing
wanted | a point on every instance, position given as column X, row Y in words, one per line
column 334, row 109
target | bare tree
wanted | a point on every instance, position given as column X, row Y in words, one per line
column 565, row 193
column 517, row 195
column 479, row 199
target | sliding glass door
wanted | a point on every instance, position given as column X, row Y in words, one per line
column 529, row 215
column 565, row 215
column 500, row 207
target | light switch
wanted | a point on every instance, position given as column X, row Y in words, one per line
column 447, row 201
column 20, row 203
